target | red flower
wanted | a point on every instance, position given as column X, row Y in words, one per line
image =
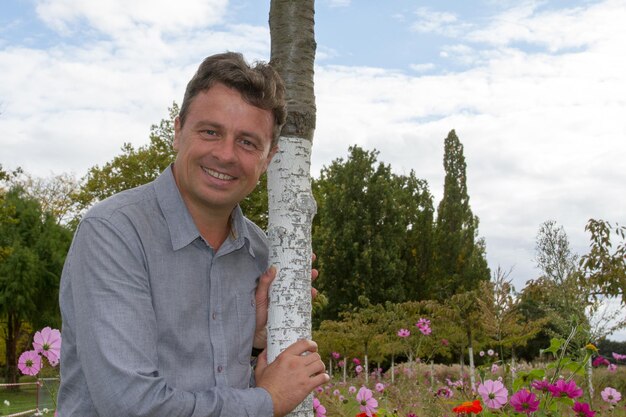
column 468, row 407
column 365, row 415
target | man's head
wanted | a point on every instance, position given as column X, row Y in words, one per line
column 259, row 84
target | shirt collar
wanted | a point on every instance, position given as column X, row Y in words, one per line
column 182, row 228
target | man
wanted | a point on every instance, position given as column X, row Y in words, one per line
column 159, row 297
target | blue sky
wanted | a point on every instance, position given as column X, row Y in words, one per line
column 534, row 89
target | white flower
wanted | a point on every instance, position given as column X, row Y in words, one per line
column 7, row 403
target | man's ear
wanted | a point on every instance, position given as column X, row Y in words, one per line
column 177, row 133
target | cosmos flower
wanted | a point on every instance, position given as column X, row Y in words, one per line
column 404, row 333
column 611, row 395
column 565, row 389
column 493, row 393
column 367, row 402
column 48, row 343
column 524, row 401
column 468, row 407
column 29, row 363
column 583, row 410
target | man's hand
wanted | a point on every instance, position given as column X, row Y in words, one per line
column 293, row 375
column 261, row 299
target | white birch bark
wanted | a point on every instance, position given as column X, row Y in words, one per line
column 291, row 210
column 472, row 369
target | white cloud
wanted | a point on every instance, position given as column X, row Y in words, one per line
column 117, row 17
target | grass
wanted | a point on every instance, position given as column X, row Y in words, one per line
column 25, row 397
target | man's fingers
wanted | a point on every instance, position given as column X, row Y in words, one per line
column 300, row 347
column 265, row 281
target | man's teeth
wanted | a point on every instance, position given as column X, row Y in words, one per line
column 218, row 175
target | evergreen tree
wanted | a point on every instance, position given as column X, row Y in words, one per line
column 459, row 262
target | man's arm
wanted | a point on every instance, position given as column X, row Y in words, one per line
column 114, row 329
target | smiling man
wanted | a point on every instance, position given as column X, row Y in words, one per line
column 164, row 290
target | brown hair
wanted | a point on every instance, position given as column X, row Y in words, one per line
column 259, row 85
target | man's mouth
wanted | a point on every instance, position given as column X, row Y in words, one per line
column 218, row 175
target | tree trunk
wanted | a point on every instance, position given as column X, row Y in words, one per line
column 13, row 333
column 472, row 368
column 291, row 203
column 393, row 370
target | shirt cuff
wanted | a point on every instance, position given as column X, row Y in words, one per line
column 259, row 403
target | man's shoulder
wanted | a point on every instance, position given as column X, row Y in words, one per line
column 141, row 197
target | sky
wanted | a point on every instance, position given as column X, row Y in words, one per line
column 535, row 90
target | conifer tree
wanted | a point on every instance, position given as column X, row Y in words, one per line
column 459, row 262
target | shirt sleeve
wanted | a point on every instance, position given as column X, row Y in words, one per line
column 115, row 332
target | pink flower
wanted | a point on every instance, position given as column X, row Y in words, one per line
column 367, row 402
column 490, row 352
column 336, row 392
column 48, row 343
column 524, row 401
column 424, row 326
column 356, row 361
column 341, row 364
column 380, row 387
column 404, row 333
column 320, row 410
column 494, row 368
column 335, row 355
column 618, row 356
column 583, row 410
column 352, row 389
column 565, row 389
column 358, row 369
column 493, row 393
column 600, row 360
column 29, row 363
column 612, row 367
column 541, row 385
column 445, row 392
column 481, row 353
column 445, row 342
column 611, row 395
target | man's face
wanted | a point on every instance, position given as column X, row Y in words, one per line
column 223, row 148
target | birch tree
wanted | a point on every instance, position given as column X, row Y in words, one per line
column 291, row 203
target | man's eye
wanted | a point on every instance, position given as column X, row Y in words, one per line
column 247, row 144
column 210, row 132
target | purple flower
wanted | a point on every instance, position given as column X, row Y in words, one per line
column 424, row 326
column 618, row 356
column 611, row 395
column 524, row 401
column 583, row 410
column 320, row 410
column 380, row 387
column 48, row 343
column 367, row 402
column 541, row 385
column 444, row 392
column 335, row 355
column 493, row 393
column 600, row 360
column 565, row 389
column 29, row 363
column 358, row 369
column 404, row 333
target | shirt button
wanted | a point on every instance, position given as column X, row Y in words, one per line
column 252, row 303
column 220, row 369
column 214, row 316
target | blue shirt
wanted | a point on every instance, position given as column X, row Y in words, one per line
column 155, row 323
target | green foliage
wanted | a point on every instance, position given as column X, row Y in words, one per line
column 30, row 273
column 459, row 261
column 604, row 268
column 372, row 232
